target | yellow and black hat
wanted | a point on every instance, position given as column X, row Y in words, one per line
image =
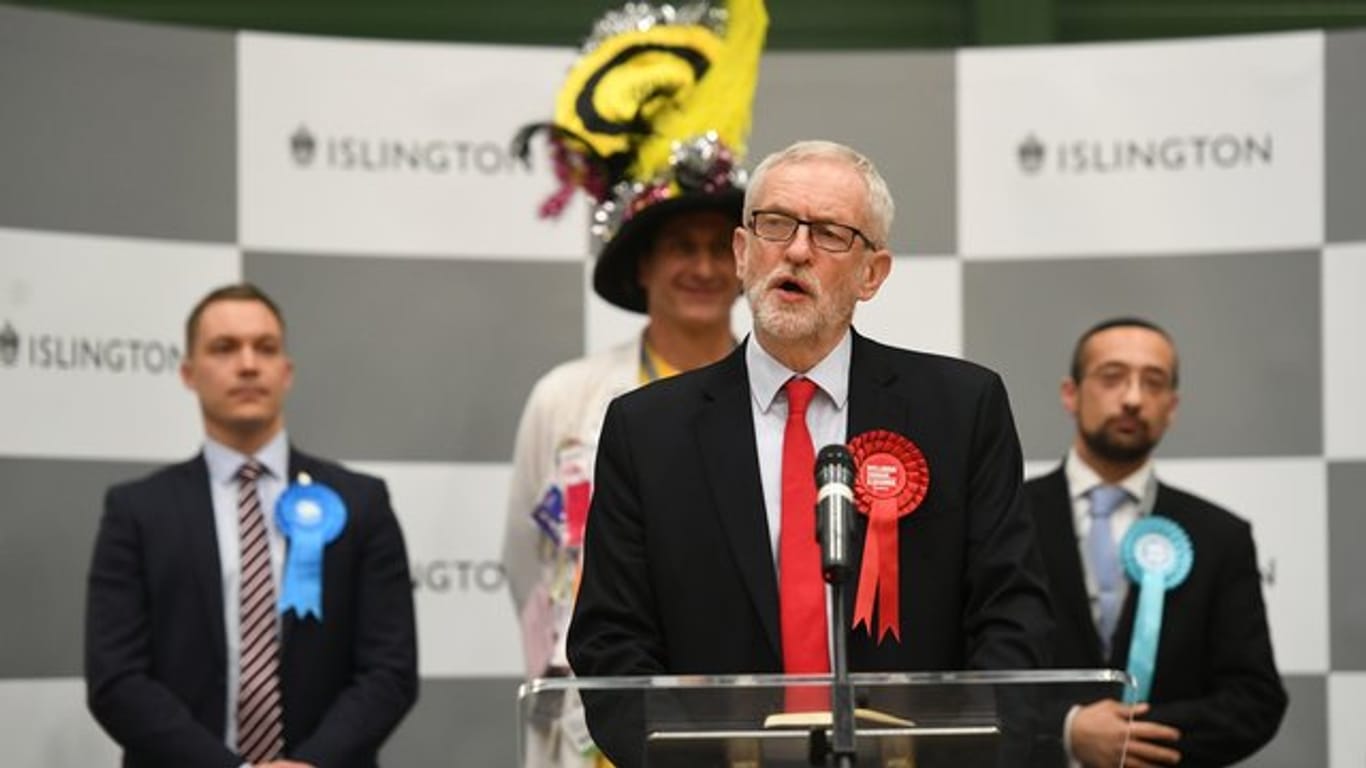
column 652, row 121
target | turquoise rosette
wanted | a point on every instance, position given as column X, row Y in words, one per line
column 1158, row 556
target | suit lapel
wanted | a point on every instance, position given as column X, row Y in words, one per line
column 873, row 403
column 725, row 435
column 194, row 504
column 1058, row 535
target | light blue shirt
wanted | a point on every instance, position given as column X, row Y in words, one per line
column 827, row 416
column 223, row 463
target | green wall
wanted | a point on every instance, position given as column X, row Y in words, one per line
column 796, row 24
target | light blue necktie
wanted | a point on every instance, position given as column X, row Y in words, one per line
column 1104, row 557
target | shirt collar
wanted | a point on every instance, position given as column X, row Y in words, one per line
column 1081, row 479
column 767, row 376
column 224, row 461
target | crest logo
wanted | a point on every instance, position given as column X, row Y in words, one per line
column 1030, row 154
column 302, row 146
column 9, row 345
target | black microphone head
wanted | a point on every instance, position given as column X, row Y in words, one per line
column 831, row 456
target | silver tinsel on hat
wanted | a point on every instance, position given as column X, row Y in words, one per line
column 643, row 16
column 700, row 164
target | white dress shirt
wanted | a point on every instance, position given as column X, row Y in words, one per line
column 827, row 416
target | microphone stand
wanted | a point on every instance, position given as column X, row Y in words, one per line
column 841, row 692
column 833, row 528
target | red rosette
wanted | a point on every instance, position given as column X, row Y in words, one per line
column 890, row 480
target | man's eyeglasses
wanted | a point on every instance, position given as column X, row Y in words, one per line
column 781, row 228
column 1151, row 382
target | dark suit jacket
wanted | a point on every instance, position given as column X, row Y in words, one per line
column 1216, row 678
column 155, row 658
column 679, row 576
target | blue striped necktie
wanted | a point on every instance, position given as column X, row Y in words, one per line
column 1104, row 556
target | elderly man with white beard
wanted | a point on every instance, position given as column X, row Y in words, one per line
column 700, row 554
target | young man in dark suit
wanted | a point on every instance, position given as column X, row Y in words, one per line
column 250, row 606
column 1215, row 694
column 700, row 550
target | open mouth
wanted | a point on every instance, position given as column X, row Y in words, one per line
column 790, row 287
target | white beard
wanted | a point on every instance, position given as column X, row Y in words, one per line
column 793, row 322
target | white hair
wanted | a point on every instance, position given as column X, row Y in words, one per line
column 881, row 208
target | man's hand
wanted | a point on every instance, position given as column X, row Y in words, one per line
column 1099, row 729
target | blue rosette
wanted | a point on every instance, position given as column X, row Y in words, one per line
column 310, row 515
column 1158, row 556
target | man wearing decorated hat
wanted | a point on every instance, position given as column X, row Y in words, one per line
column 651, row 123
column 1149, row 578
column 701, row 555
column 251, row 606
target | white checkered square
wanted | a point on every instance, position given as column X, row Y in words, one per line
column 1344, row 351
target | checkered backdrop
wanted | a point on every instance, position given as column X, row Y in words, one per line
column 1214, row 185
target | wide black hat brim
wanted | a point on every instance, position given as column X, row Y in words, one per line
column 616, row 274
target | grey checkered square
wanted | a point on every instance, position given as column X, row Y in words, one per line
column 117, row 129
column 418, row 359
column 1246, row 326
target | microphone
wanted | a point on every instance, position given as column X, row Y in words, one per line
column 834, row 509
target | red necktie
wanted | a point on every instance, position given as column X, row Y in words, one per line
column 260, row 731
column 801, row 590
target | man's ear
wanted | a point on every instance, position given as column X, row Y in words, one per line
column 739, row 243
column 875, row 271
column 187, row 372
column 1067, row 392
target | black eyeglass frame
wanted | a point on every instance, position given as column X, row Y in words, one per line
column 753, row 215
